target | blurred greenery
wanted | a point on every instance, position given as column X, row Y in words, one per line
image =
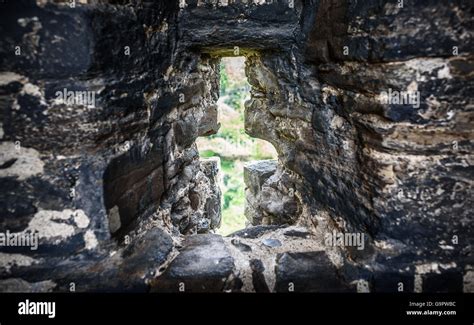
column 232, row 144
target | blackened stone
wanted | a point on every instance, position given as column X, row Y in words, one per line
column 234, row 284
column 266, row 26
column 147, row 252
column 254, row 232
column 321, row 120
column 258, row 279
column 185, row 132
column 202, row 266
column 297, row 233
column 65, row 52
column 133, row 182
column 16, row 209
column 307, row 272
column 241, row 246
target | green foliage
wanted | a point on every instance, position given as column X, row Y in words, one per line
column 227, row 165
column 233, row 197
column 235, row 96
column 207, row 154
column 234, row 147
column 234, row 91
column 224, row 79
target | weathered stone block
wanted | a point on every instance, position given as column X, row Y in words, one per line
column 257, row 172
column 307, row 272
column 203, row 265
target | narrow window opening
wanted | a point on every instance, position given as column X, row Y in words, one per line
column 232, row 145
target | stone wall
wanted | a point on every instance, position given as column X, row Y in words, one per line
column 90, row 175
column 399, row 173
column 117, row 191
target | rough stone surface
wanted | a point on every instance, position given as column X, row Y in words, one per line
column 149, row 250
column 257, row 172
column 114, row 185
column 241, row 246
column 254, row 232
column 255, row 175
column 271, row 242
column 203, row 265
column 19, row 285
column 210, row 167
column 126, row 160
column 307, row 272
column 258, row 278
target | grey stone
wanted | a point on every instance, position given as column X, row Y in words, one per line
column 203, row 265
column 257, row 172
column 20, row 285
column 398, row 173
column 258, row 278
column 148, row 251
column 241, row 246
column 297, row 233
column 271, row 242
column 307, row 272
column 254, row 232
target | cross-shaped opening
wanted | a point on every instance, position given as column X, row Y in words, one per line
column 231, row 144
